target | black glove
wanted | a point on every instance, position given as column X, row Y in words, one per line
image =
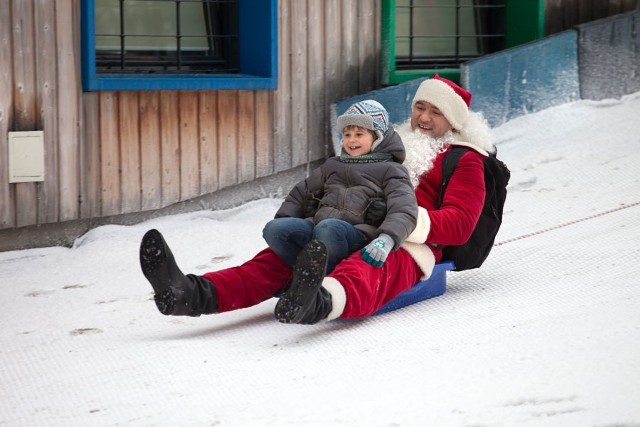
column 311, row 204
column 376, row 212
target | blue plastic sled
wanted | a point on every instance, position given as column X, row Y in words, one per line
column 434, row 286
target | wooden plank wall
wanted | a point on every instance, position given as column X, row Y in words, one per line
column 112, row 153
column 7, row 210
column 35, row 61
column 562, row 15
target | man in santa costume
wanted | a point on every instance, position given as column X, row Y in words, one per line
column 440, row 119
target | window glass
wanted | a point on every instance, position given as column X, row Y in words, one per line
column 445, row 33
column 165, row 36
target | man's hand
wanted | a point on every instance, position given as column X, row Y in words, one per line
column 376, row 252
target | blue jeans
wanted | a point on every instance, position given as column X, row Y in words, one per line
column 287, row 236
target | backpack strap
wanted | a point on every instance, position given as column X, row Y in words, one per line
column 449, row 163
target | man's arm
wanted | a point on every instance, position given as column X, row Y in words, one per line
column 462, row 203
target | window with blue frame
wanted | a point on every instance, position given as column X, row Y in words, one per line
column 179, row 44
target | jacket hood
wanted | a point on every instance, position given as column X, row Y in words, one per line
column 392, row 143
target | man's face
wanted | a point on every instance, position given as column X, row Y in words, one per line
column 428, row 119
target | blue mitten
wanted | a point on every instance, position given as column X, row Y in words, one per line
column 376, row 252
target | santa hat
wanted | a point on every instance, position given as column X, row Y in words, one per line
column 452, row 100
column 368, row 114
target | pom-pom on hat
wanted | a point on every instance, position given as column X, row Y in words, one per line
column 452, row 100
column 368, row 114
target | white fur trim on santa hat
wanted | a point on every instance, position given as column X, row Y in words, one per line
column 440, row 94
column 338, row 297
column 420, row 233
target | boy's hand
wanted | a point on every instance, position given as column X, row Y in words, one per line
column 376, row 252
column 311, row 204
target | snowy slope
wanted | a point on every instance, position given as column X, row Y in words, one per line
column 546, row 333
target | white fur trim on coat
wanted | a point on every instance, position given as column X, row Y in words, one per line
column 473, row 147
column 338, row 297
column 423, row 256
column 423, row 226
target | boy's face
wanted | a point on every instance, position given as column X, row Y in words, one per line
column 429, row 120
column 357, row 141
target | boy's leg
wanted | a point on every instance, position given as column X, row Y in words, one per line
column 251, row 283
column 340, row 238
column 287, row 236
column 305, row 301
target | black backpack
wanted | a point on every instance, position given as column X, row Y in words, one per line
column 496, row 177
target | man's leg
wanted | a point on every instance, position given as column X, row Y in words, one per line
column 359, row 289
column 174, row 293
column 305, row 301
column 191, row 295
column 251, row 283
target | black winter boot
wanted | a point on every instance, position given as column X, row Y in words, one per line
column 175, row 293
column 306, row 301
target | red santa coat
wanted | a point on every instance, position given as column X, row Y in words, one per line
column 454, row 222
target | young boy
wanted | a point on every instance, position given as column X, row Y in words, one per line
column 336, row 203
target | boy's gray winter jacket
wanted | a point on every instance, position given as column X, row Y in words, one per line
column 347, row 185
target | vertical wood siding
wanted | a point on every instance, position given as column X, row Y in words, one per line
column 46, row 64
column 69, row 108
column 24, row 93
column 109, row 153
column 150, row 154
column 7, row 209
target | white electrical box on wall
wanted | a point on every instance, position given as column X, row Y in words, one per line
column 26, row 156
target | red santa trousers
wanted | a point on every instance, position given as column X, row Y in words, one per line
column 367, row 288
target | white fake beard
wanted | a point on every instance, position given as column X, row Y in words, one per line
column 421, row 150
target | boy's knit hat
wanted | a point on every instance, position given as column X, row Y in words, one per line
column 452, row 100
column 368, row 114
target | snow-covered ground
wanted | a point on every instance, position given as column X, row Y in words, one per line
column 546, row 333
